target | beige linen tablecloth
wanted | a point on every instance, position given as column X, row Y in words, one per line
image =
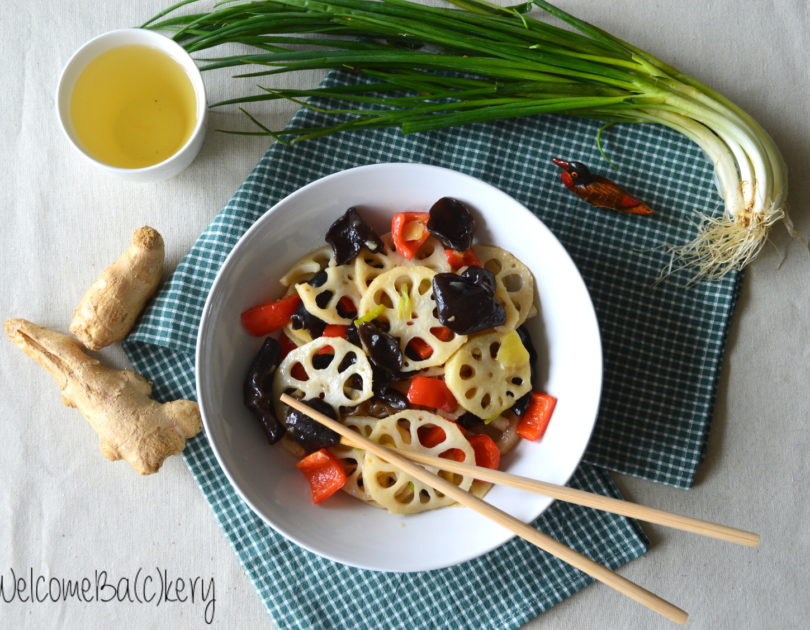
column 67, row 513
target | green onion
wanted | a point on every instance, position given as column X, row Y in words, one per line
column 371, row 315
column 432, row 68
column 404, row 305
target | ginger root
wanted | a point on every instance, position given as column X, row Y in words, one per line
column 113, row 302
column 117, row 403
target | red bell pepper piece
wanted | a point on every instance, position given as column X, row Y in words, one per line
column 442, row 333
column 431, row 392
column 335, row 330
column 266, row 318
column 287, row 346
column 346, row 305
column 533, row 424
column 420, row 347
column 430, row 436
column 487, row 453
column 467, row 258
column 332, row 330
column 436, row 435
column 299, row 372
column 400, row 230
column 456, row 454
column 324, row 473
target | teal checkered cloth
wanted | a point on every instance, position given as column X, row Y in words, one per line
column 663, row 348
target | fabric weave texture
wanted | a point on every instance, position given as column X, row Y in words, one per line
column 663, row 349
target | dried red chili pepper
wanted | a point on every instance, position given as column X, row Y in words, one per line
column 597, row 190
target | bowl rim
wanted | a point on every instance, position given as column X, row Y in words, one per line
column 598, row 361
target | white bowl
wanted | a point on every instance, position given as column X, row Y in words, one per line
column 122, row 37
column 342, row 528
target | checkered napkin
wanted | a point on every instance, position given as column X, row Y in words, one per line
column 663, row 348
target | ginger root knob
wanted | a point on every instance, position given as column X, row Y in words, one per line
column 130, row 425
column 113, row 302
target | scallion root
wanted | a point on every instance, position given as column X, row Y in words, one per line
column 723, row 244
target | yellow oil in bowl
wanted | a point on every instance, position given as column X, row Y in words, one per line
column 133, row 106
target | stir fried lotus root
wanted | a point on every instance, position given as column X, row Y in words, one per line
column 307, row 266
column 322, row 300
column 413, row 287
column 368, row 265
column 388, row 295
column 301, row 271
column 401, row 493
column 515, row 284
column 344, row 382
column 480, row 383
column 320, row 294
column 352, row 458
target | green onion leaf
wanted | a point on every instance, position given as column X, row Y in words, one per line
column 404, row 305
column 371, row 315
column 425, row 68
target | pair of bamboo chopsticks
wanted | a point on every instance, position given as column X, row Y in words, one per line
column 402, row 460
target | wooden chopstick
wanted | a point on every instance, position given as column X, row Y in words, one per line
column 546, row 543
column 587, row 499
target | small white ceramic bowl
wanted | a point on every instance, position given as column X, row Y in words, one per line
column 129, row 36
column 342, row 528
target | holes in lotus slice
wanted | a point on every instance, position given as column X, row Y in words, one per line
column 480, row 383
column 308, row 266
column 324, row 301
column 341, row 383
column 514, row 284
column 431, row 255
column 369, row 265
column 401, row 493
column 300, row 336
column 417, row 323
column 353, row 458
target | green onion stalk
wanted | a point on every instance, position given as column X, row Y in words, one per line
column 432, row 68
